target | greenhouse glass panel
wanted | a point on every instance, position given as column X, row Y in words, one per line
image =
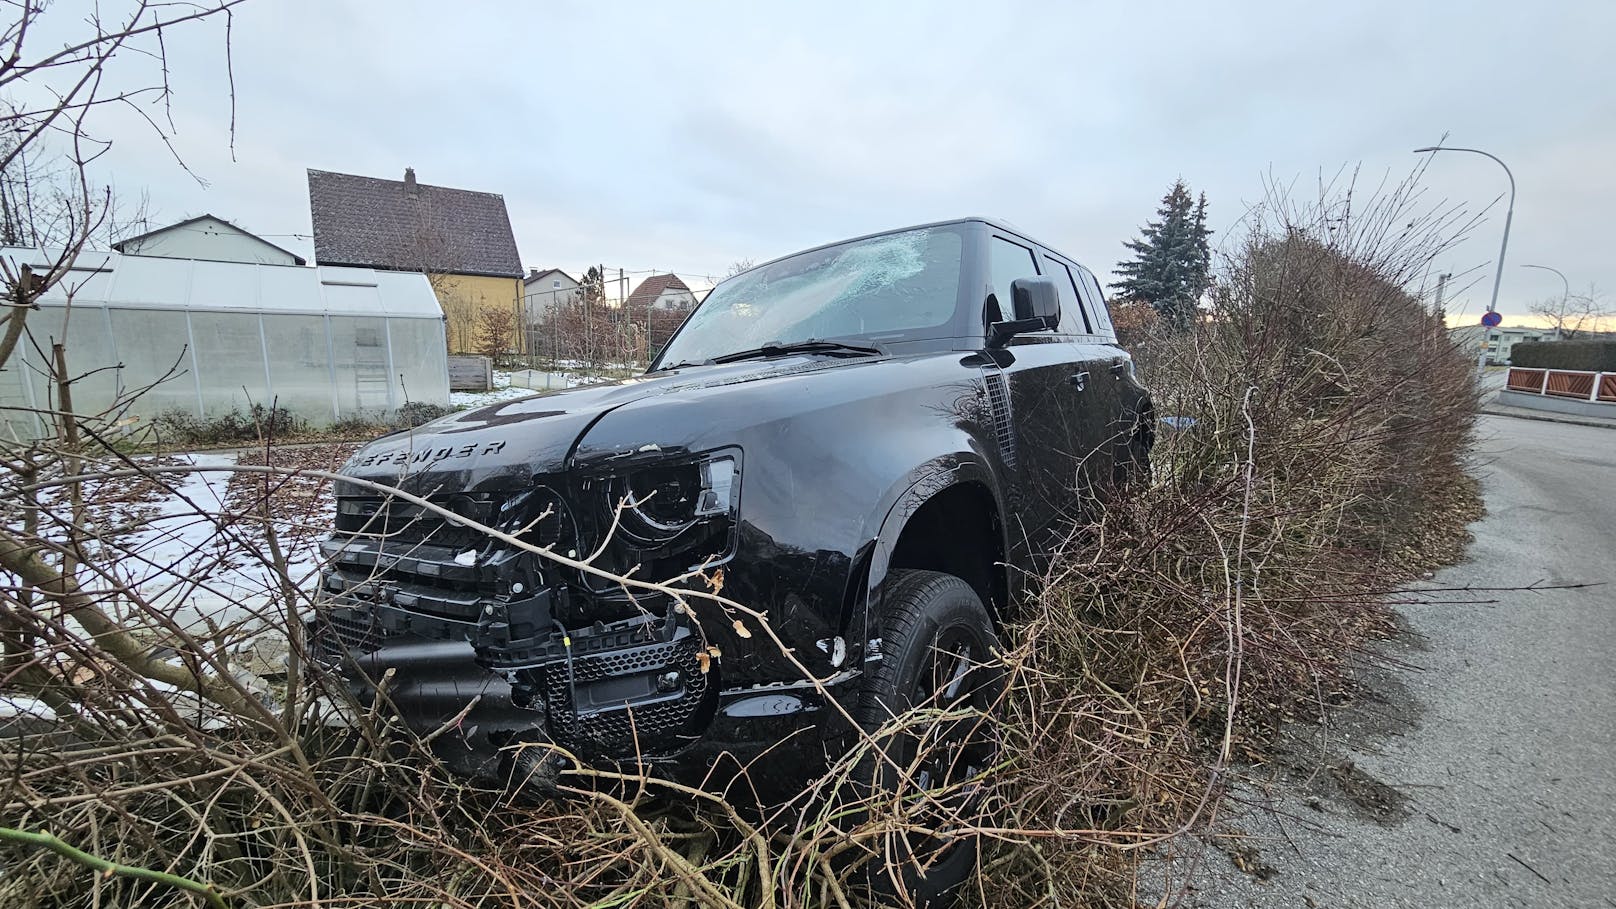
column 87, row 348
column 230, row 361
column 17, row 420
column 299, row 365
column 359, row 348
column 194, row 336
column 152, row 345
column 422, row 371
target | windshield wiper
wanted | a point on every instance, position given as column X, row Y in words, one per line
column 812, row 345
column 679, row 365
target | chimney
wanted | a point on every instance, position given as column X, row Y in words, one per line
column 410, row 189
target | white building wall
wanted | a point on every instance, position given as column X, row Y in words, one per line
column 543, row 295
column 675, row 299
column 210, row 239
column 1500, row 341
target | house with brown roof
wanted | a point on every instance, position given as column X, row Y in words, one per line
column 660, row 292
column 460, row 239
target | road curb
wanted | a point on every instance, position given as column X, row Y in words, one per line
column 1548, row 417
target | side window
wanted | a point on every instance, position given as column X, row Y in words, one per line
column 1102, row 318
column 1074, row 318
column 1008, row 261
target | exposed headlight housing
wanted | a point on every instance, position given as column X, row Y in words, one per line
column 663, row 502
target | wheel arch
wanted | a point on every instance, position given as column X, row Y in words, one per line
column 952, row 521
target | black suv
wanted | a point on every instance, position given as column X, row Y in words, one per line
column 871, row 442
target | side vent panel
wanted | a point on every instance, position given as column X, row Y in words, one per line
column 1003, row 428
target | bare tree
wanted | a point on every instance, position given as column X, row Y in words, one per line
column 47, row 194
column 496, row 331
column 1572, row 315
column 49, row 200
column 39, row 202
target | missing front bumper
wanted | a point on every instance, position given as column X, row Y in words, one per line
column 629, row 690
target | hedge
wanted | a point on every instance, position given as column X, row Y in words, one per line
column 1594, row 356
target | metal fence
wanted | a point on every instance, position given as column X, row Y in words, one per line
column 1574, row 384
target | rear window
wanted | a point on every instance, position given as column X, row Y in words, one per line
column 1097, row 302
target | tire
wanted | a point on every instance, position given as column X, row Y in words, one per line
column 935, row 637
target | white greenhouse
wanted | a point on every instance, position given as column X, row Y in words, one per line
column 325, row 343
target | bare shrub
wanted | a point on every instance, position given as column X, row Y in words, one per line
column 1315, row 460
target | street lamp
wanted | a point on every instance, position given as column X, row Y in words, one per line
column 1564, row 301
column 1498, row 276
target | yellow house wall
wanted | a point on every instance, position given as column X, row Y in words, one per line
column 465, row 297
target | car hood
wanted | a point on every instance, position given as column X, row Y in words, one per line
column 505, row 445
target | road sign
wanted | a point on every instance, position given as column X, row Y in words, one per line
column 1492, row 319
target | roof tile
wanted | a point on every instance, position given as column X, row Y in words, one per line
column 651, row 288
column 375, row 223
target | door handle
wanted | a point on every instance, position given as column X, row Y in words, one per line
column 1079, row 380
column 1118, row 369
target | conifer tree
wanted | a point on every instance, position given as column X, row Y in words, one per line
column 1172, row 259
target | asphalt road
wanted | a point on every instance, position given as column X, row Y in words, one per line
column 1482, row 771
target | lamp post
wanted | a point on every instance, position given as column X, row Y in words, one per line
column 1564, row 301
column 1498, row 276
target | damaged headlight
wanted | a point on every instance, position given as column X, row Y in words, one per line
column 661, row 502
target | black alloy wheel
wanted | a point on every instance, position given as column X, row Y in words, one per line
column 939, row 666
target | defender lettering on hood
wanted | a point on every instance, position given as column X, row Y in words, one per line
column 424, row 456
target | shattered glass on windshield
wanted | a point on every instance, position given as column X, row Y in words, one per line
column 895, row 286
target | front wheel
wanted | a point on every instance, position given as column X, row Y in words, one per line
column 927, row 704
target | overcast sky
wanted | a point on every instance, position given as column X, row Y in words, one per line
column 686, row 136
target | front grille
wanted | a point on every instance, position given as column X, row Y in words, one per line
column 389, row 539
column 398, row 521
column 350, row 629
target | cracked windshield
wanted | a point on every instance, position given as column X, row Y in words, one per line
column 900, row 286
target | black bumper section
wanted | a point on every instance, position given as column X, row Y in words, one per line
column 637, row 690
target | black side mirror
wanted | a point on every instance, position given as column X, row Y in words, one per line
column 1036, row 303
column 1036, row 298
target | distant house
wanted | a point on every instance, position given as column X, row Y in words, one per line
column 1499, row 340
column 460, row 239
column 660, row 292
column 207, row 238
column 543, row 290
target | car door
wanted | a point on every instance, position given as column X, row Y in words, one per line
column 1087, row 328
column 1052, row 423
column 1125, row 397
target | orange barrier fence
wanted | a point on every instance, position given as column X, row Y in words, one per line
column 1564, row 383
column 1527, row 380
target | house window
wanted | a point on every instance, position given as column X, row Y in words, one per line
column 556, row 283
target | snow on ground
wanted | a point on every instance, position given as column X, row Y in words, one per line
column 189, row 548
column 13, row 706
column 201, row 563
column 503, row 390
column 506, row 390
